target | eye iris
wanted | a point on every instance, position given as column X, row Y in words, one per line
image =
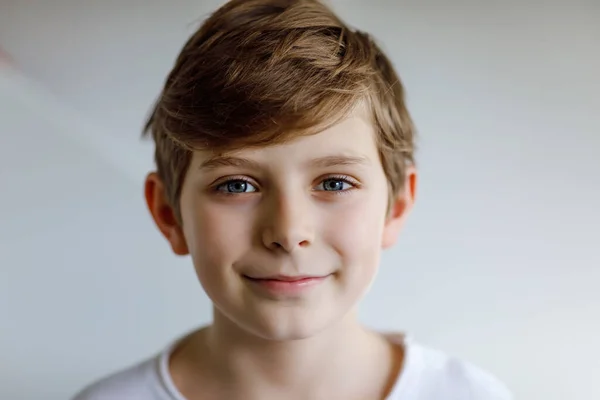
column 237, row 187
column 333, row 185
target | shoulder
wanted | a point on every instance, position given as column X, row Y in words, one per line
column 439, row 375
column 141, row 381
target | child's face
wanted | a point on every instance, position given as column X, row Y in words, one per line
column 314, row 207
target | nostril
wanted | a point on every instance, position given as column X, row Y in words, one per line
column 290, row 246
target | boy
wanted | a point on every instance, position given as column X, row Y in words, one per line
column 285, row 164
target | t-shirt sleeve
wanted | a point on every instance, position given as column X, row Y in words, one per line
column 475, row 383
column 141, row 382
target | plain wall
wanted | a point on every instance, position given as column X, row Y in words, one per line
column 499, row 264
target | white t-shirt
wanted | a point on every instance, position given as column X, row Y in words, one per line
column 427, row 374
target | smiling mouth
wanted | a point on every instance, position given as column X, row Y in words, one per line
column 285, row 278
column 286, row 285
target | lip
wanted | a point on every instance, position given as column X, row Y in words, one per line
column 282, row 285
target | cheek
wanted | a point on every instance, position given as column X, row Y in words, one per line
column 216, row 236
column 355, row 231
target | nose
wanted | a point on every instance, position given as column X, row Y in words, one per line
column 287, row 224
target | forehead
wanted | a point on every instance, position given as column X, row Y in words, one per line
column 352, row 138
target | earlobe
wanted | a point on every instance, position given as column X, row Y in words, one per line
column 394, row 222
column 399, row 209
column 163, row 214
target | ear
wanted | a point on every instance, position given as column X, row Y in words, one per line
column 163, row 214
column 399, row 209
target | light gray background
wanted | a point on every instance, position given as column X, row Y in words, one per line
column 499, row 263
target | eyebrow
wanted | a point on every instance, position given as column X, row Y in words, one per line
column 224, row 161
column 322, row 162
column 337, row 160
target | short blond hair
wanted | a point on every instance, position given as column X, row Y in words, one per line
column 261, row 72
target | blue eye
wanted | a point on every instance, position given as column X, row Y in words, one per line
column 335, row 185
column 236, row 186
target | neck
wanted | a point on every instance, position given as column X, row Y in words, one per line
column 314, row 367
column 281, row 362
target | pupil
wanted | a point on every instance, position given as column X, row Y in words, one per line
column 237, row 187
column 333, row 185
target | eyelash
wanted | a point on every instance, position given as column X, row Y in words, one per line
column 231, row 180
column 343, row 178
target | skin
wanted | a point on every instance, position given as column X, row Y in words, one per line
column 318, row 206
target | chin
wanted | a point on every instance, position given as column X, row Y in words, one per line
column 279, row 334
column 287, row 327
